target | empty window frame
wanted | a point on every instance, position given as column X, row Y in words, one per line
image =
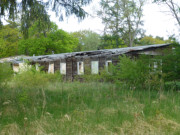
column 51, row 68
column 80, row 68
column 63, row 68
column 108, row 65
column 37, row 67
column 156, row 65
column 94, row 67
column 16, row 67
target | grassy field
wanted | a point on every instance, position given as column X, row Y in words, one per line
column 87, row 108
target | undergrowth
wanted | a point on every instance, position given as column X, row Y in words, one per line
column 87, row 108
column 130, row 99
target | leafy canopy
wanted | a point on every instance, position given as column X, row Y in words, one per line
column 36, row 11
column 122, row 18
column 109, row 42
column 149, row 40
column 88, row 40
column 9, row 37
column 55, row 42
column 171, row 63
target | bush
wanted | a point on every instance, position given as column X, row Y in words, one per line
column 103, row 76
column 5, row 72
column 171, row 64
column 32, row 78
column 131, row 72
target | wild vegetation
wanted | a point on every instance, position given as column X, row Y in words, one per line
column 58, row 41
column 138, row 101
column 87, row 108
column 137, row 96
column 27, row 34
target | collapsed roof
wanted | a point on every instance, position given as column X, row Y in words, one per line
column 96, row 53
column 13, row 58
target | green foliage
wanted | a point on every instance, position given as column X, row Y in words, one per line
column 122, row 19
column 149, row 40
column 9, row 37
column 35, row 79
column 36, row 32
column 88, row 108
column 88, row 40
column 70, row 7
column 35, row 46
column 109, row 42
column 172, row 85
column 63, row 41
column 88, row 76
column 57, row 42
column 33, row 11
column 141, row 73
column 132, row 72
column 5, row 72
column 171, row 63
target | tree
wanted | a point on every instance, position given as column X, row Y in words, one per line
column 35, row 13
column 33, row 10
column 122, row 18
column 171, row 63
column 55, row 42
column 111, row 17
column 9, row 37
column 35, row 32
column 149, row 40
column 88, row 40
column 109, row 42
column 174, row 8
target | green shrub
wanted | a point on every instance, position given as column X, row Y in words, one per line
column 5, row 72
column 133, row 72
column 171, row 64
column 32, row 78
column 172, row 85
column 103, row 76
column 88, row 77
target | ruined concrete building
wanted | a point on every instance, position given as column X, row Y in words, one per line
column 76, row 63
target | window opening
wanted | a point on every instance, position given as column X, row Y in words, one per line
column 80, row 68
column 94, row 67
column 63, row 68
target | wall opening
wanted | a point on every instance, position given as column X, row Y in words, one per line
column 108, row 65
column 16, row 67
column 80, row 68
column 63, row 68
column 37, row 67
column 94, row 67
column 51, row 68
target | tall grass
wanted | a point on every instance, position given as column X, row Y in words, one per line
column 88, row 108
column 35, row 102
column 5, row 73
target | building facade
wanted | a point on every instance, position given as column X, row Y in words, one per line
column 75, row 64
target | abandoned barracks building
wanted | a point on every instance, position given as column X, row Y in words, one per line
column 76, row 63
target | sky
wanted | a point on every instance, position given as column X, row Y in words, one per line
column 156, row 22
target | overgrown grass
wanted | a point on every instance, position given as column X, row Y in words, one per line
column 131, row 99
column 87, row 108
